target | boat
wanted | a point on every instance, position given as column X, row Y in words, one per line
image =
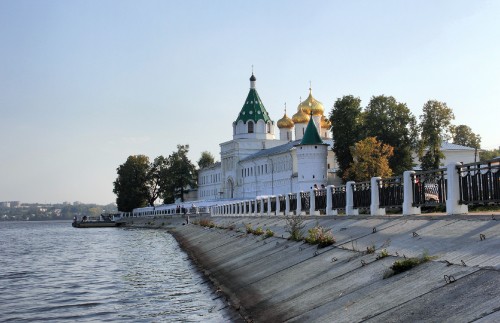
column 103, row 221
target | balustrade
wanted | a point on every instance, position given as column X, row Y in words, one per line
column 429, row 187
column 391, row 192
column 320, row 200
column 304, row 201
column 480, row 182
column 361, row 195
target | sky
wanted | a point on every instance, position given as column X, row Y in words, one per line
column 85, row 84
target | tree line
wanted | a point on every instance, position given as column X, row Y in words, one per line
column 379, row 140
column 141, row 182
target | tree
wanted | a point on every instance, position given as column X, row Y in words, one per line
column 154, row 179
column 370, row 159
column 435, row 123
column 463, row 135
column 206, row 159
column 489, row 154
column 130, row 186
column 393, row 124
column 346, row 129
column 179, row 174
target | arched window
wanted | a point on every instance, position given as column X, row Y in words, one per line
column 250, row 127
column 269, row 127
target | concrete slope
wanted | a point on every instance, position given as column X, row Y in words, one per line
column 278, row 280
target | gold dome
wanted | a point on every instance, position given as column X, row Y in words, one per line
column 312, row 105
column 285, row 122
column 300, row 116
column 325, row 123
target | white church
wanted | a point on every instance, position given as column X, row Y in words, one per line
column 256, row 163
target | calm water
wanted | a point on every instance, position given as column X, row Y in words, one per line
column 50, row 271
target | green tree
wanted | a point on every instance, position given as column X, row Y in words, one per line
column 393, row 124
column 130, row 186
column 370, row 159
column 489, row 154
column 435, row 124
column 178, row 175
column 463, row 135
column 346, row 129
column 154, row 178
column 206, row 160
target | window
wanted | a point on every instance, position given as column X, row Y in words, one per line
column 268, row 127
column 250, row 127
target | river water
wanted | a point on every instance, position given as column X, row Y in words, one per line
column 50, row 271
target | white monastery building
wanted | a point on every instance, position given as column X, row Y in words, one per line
column 256, row 163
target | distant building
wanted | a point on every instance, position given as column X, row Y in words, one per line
column 453, row 153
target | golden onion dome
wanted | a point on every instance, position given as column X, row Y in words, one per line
column 325, row 123
column 311, row 105
column 300, row 116
column 285, row 122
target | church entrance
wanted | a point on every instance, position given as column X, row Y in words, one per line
column 230, row 188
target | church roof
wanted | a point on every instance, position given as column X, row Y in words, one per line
column 311, row 136
column 279, row 150
column 273, row 151
column 450, row 146
column 253, row 109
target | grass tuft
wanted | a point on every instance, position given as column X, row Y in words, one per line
column 321, row 236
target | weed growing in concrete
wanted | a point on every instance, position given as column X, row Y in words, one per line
column 370, row 249
column 295, row 226
column 248, row 228
column 269, row 233
column 206, row 223
column 402, row 265
column 383, row 254
column 258, row 231
column 320, row 236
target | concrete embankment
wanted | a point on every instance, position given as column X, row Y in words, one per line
column 276, row 280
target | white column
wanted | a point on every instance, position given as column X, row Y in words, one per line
column 268, row 205
column 278, row 204
column 299, row 204
column 287, row 204
column 375, row 203
column 312, row 202
column 329, row 201
column 349, row 207
column 453, row 191
column 408, row 208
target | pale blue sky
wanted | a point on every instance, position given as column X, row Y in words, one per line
column 85, row 84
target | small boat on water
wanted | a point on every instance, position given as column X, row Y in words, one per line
column 103, row 221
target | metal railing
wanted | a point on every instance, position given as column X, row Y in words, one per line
column 282, row 201
column 320, row 200
column 391, row 192
column 273, row 203
column 480, row 182
column 304, row 201
column 338, row 197
column 361, row 194
column 429, row 187
column 293, row 201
